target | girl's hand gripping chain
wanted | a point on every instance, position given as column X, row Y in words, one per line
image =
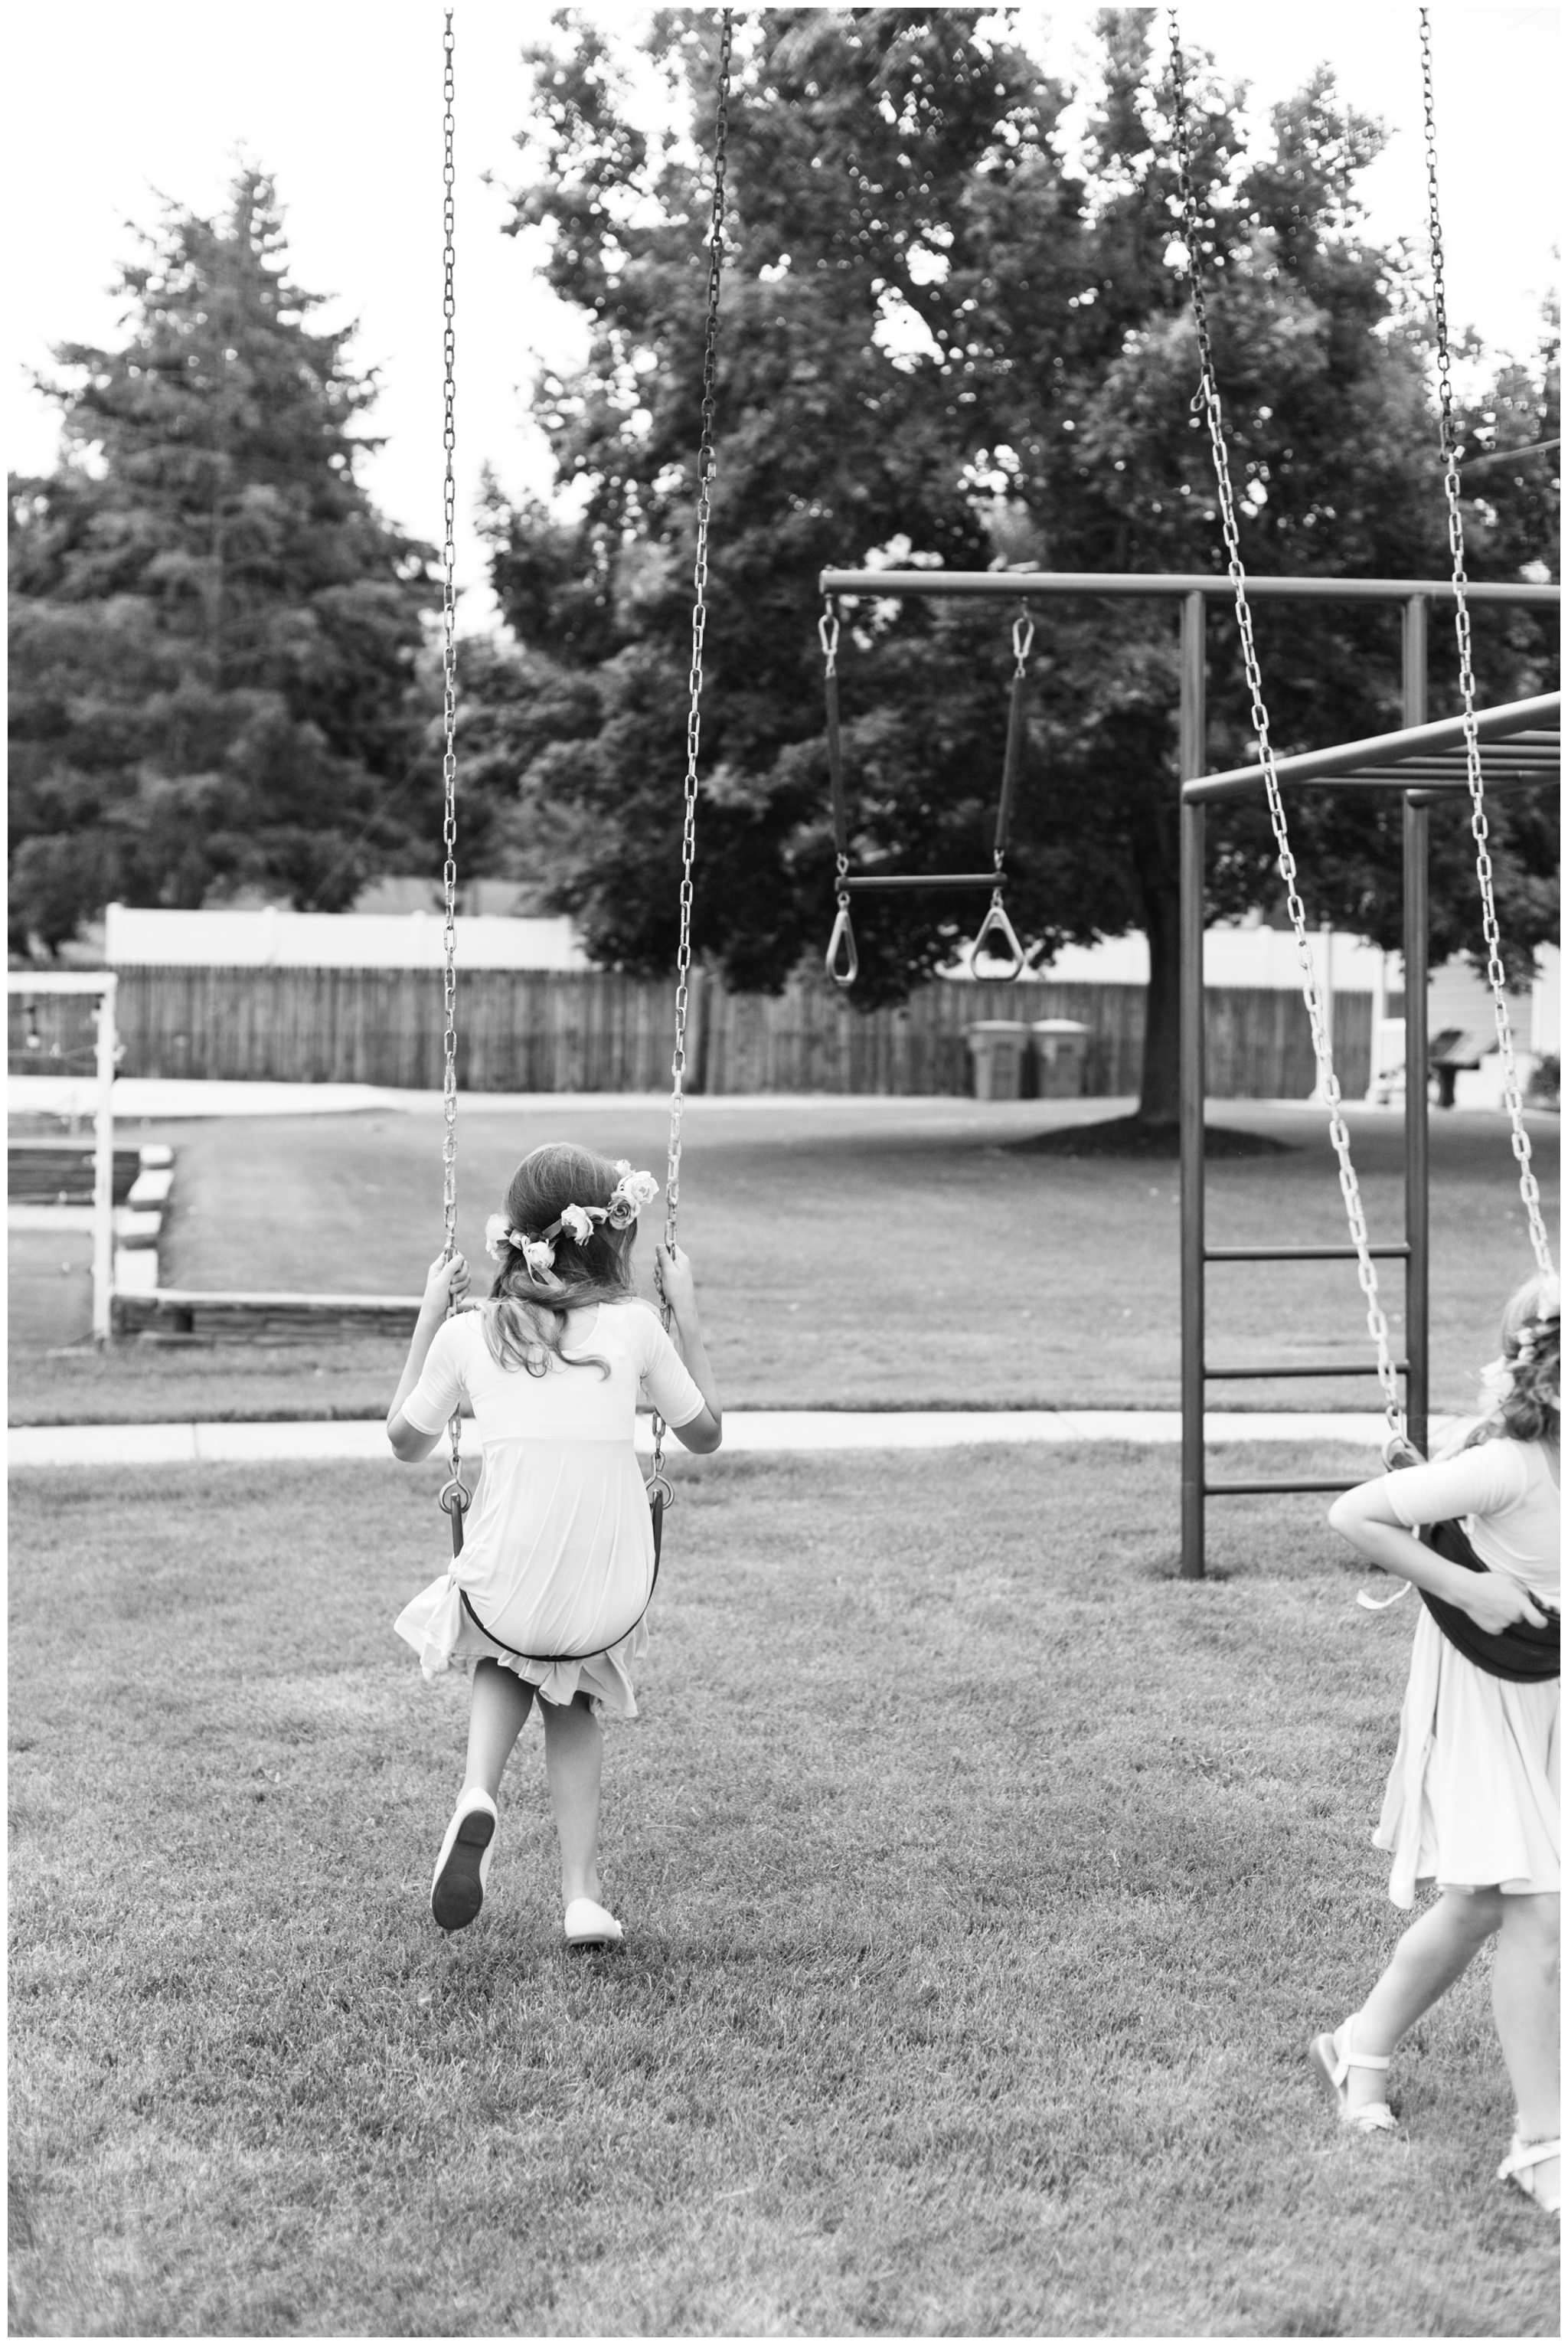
column 446, row 1281
column 676, row 1284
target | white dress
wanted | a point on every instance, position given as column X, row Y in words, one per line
column 557, row 1560
column 1473, row 1796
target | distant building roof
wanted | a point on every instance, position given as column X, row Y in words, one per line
column 271, row 937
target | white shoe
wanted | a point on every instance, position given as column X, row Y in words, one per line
column 457, row 1891
column 1519, row 2168
column 1333, row 2068
column 588, row 1924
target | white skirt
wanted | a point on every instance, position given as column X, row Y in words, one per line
column 1473, row 1796
column 556, row 1565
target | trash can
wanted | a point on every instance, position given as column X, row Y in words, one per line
column 1061, row 1054
column 998, row 1047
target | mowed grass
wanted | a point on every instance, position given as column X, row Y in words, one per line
column 983, row 1885
column 854, row 1254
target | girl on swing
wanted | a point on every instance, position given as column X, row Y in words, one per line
column 546, row 1600
column 1473, row 1800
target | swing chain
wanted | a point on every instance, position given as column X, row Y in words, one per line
column 449, row 715
column 706, row 466
column 828, row 635
column 1206, row 404
column 1529, row 1188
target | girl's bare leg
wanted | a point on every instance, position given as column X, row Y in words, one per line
column 573, row 1755
column 1524, row 2006
column 498, row 1711
column 1432, row 1953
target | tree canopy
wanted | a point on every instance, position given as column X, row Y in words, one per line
column 214, row 635
column 947, row 343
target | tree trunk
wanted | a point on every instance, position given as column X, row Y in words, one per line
column 1159, row 1101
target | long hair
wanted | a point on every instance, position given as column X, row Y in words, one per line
column 525, row 1316
column 1523, row 1398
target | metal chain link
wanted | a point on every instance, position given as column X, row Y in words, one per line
column 1206, row 402
column 449, row 693
column 1529, row 1188
column 705, row 470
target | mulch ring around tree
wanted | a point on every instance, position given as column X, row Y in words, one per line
column 1128, row 1135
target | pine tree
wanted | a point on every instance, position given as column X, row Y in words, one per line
column 215, row 635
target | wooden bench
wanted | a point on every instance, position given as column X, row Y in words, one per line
column 177, row 1314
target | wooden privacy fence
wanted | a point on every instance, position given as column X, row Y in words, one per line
column 546, row 1030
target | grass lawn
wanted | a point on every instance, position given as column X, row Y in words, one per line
column 863, row 1254
column 983, row 1885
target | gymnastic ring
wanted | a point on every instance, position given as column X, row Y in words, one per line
column 842, row 960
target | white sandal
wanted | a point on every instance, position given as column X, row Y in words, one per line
column 1333, row 2068
column 1519, row 2167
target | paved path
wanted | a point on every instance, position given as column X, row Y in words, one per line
column 160, row 1099
column 744, row 1429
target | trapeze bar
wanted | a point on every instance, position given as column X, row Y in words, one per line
column 1029, row 583
column 1303, row 1253
column 1299, row 1368
column 1253, row 1489
column 924, row 879
column 1384, row 752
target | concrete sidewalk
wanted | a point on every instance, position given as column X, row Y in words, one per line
column 744, row 1430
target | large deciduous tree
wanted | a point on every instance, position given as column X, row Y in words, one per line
column 214, row 633
column 943, row 343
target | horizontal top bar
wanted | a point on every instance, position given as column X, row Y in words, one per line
column 60, row 980
column 1029, row 583
column 1386, row 752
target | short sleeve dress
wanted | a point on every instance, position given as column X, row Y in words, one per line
column 1475, row 1793
column 557, row 1562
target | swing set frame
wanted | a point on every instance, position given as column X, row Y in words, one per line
column 1424, row 762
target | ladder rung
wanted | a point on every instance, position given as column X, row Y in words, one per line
column 1252, row 1489
column 1302, row 1254
column 1303, row 1368
column 924, row 879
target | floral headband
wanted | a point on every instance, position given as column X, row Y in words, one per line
column 1500, row 1376
column 627, row 1198
column 1534, row 1333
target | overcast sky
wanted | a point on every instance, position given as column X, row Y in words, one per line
column 113, row 106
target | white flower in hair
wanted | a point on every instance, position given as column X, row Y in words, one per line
column 496, row 1236
column 578, row 1223
column 630, row 1195
column 1497, row 1378
column 539, row 1256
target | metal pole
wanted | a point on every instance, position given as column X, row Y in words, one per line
column 1193, row 757
column 104, row 1168
column 1418, row 1192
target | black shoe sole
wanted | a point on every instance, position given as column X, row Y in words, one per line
column 459, row 1892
